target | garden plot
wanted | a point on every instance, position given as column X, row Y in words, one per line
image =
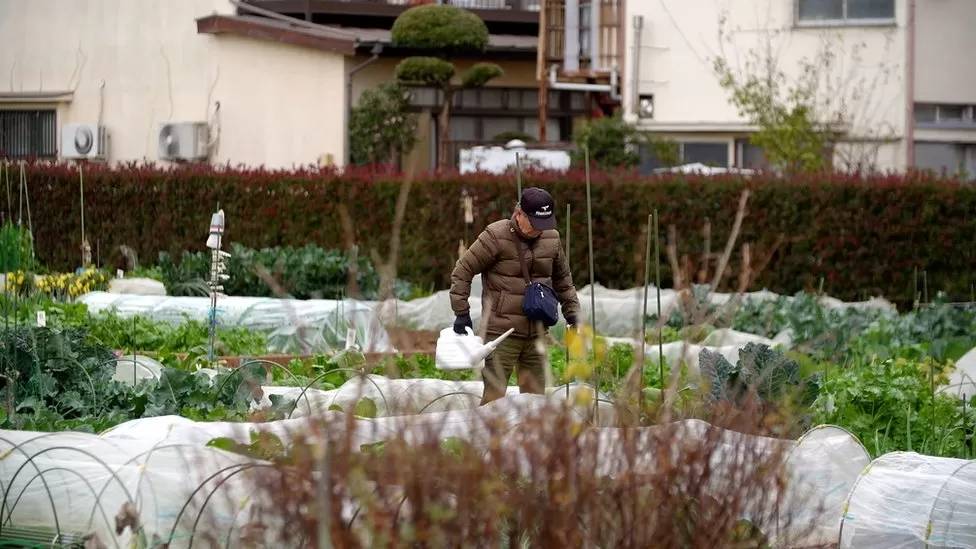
column 159, row 474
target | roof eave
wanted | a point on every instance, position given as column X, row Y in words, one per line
column 224, row 24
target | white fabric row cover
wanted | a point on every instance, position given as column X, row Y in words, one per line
column 325, row 322
column 724, row 341
column 905, row 499
column 403, row 397
column 962, row 379
column 618, row 312
column 76, row 483
column 157, row 463
column 296, row 325
column 822, row 469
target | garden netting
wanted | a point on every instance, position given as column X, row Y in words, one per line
column 905, row 499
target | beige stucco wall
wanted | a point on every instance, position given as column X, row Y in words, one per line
column 280, row 105
column 945, row 71
column 681, row 40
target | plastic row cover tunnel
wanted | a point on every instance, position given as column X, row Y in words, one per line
column 904, row 499
column 69, row 486
column 295, row 325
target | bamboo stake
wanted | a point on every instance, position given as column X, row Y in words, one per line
column 657, row 283
column 565, row 339
column 643, row 339
column 589, row 235
column 81, row 183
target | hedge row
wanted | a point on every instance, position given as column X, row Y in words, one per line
column 860, row 235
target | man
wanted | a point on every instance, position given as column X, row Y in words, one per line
column 496, row 255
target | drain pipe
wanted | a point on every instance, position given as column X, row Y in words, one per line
column 376, row 51
column 612, row 88
column 635, row 69
column 910, row 89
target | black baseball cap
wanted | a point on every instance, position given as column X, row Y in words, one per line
column 540, row 207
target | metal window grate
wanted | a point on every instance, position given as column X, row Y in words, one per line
column 28, row 133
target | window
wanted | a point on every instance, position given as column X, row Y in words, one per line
column 710, row 153
column 553, row 133
column 464, row 128
column 28, row 133
column 947, row 158
column 749, row 156
column 939, row 115
column 495, row 126
column 845, row 11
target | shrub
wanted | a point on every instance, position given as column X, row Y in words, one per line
column 611, row 141
column 861, row 235
column 304, row 273
column 16, row 248
column 480, row 74
column 440, row 27
column 382, row 126
column 427, row 71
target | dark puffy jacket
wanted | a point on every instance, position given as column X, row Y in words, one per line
column 495, row 254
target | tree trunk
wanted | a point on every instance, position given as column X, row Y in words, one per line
column 444, row 129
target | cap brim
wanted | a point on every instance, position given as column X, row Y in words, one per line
column 543, row 223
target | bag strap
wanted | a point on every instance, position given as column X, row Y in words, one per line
column 525, row 268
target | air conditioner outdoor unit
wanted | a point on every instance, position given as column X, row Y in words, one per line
column 183, row 141
column 88, row 141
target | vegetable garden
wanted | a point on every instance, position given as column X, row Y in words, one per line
column 735, row 417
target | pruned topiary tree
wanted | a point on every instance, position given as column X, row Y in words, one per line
column 442, row 30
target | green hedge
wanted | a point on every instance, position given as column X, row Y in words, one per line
column 863, row 236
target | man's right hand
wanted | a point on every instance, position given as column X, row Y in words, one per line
column 461, row 322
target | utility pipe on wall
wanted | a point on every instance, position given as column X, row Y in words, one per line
column 910, row 87
column 635, row 68
column 571, row 47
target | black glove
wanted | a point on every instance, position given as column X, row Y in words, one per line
column 570, row 320
column 461, row 322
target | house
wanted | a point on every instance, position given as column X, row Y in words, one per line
column 507, row 105
column 256, row 82
column 254, row 91
column 896, row 76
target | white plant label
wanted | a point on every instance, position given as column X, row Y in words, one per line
column 41, row 319
column 119, row 273
column 350, row 338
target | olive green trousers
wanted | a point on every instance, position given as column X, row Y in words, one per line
column 523, row 355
